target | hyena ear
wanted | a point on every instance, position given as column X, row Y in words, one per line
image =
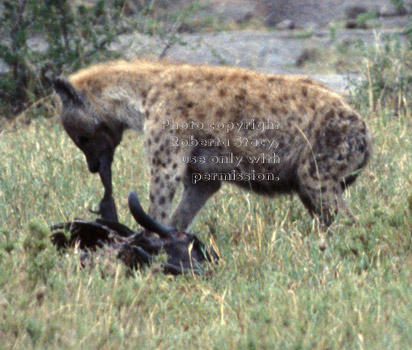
column 68, row 94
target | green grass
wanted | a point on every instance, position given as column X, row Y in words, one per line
column 274, row 288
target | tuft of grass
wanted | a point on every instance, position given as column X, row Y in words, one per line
column 367, row 19
column 386, row 76
column 303, row 34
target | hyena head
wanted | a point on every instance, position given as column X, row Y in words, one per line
column 95, row 135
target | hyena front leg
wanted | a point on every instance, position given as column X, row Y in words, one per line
column 194, row 196
column 162, row 190
column 166, row 172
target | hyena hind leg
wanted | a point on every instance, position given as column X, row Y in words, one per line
column 194, row 197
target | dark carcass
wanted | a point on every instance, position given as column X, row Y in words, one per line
column 185, row 252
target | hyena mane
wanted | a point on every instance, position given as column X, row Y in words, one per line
column 315, row 144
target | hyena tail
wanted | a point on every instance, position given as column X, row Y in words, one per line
column 361, row 147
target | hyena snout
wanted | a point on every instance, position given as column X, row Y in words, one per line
column 93, row 164
column 93, row 161
column 97, row 155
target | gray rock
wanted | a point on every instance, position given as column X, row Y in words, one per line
column 352, row 12
column 390, row 10
column 233, row 11
column 286, row 24
column 309, row 54
column 271, row 19
column 354, row 24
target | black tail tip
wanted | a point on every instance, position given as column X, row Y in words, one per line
column 134, row 204
column 133, row 196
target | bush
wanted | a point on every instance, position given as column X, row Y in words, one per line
column 386, row 72
column 41, row 257
column 386, row 76
column 69, row 35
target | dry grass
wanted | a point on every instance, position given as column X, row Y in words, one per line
column 273, row 290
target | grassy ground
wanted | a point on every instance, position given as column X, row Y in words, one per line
column 274, row 288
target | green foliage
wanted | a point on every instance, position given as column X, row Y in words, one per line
column 367, row 19
column 386, row 72
column 45, row 39
column 386, row 76
column 408, row 32
column 398, row 4
column 36, row 240
column 71, row 34
column 41, row 257
column 7, row 244
column 332, row 31
column 34, row 329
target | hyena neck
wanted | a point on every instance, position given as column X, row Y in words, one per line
column 123, row 103
column 117, row 90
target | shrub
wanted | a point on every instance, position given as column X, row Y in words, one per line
column 41, row 257
column 44, row 39
column 71, row 34
column 386, row 76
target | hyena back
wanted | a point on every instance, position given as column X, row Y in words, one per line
column 204, row 125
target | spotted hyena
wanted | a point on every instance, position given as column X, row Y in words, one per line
column 203, row 125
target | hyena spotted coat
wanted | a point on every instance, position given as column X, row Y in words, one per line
column 319, row 143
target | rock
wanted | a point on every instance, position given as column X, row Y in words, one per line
column 234, row 11
column 286, row 24
column 352, row 12
column 271, row 19
column 354, row 24
column 390, row 10
column 246, row 17
column 351, row 24
column 309, row 54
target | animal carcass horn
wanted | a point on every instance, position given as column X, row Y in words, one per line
column 145, row 220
